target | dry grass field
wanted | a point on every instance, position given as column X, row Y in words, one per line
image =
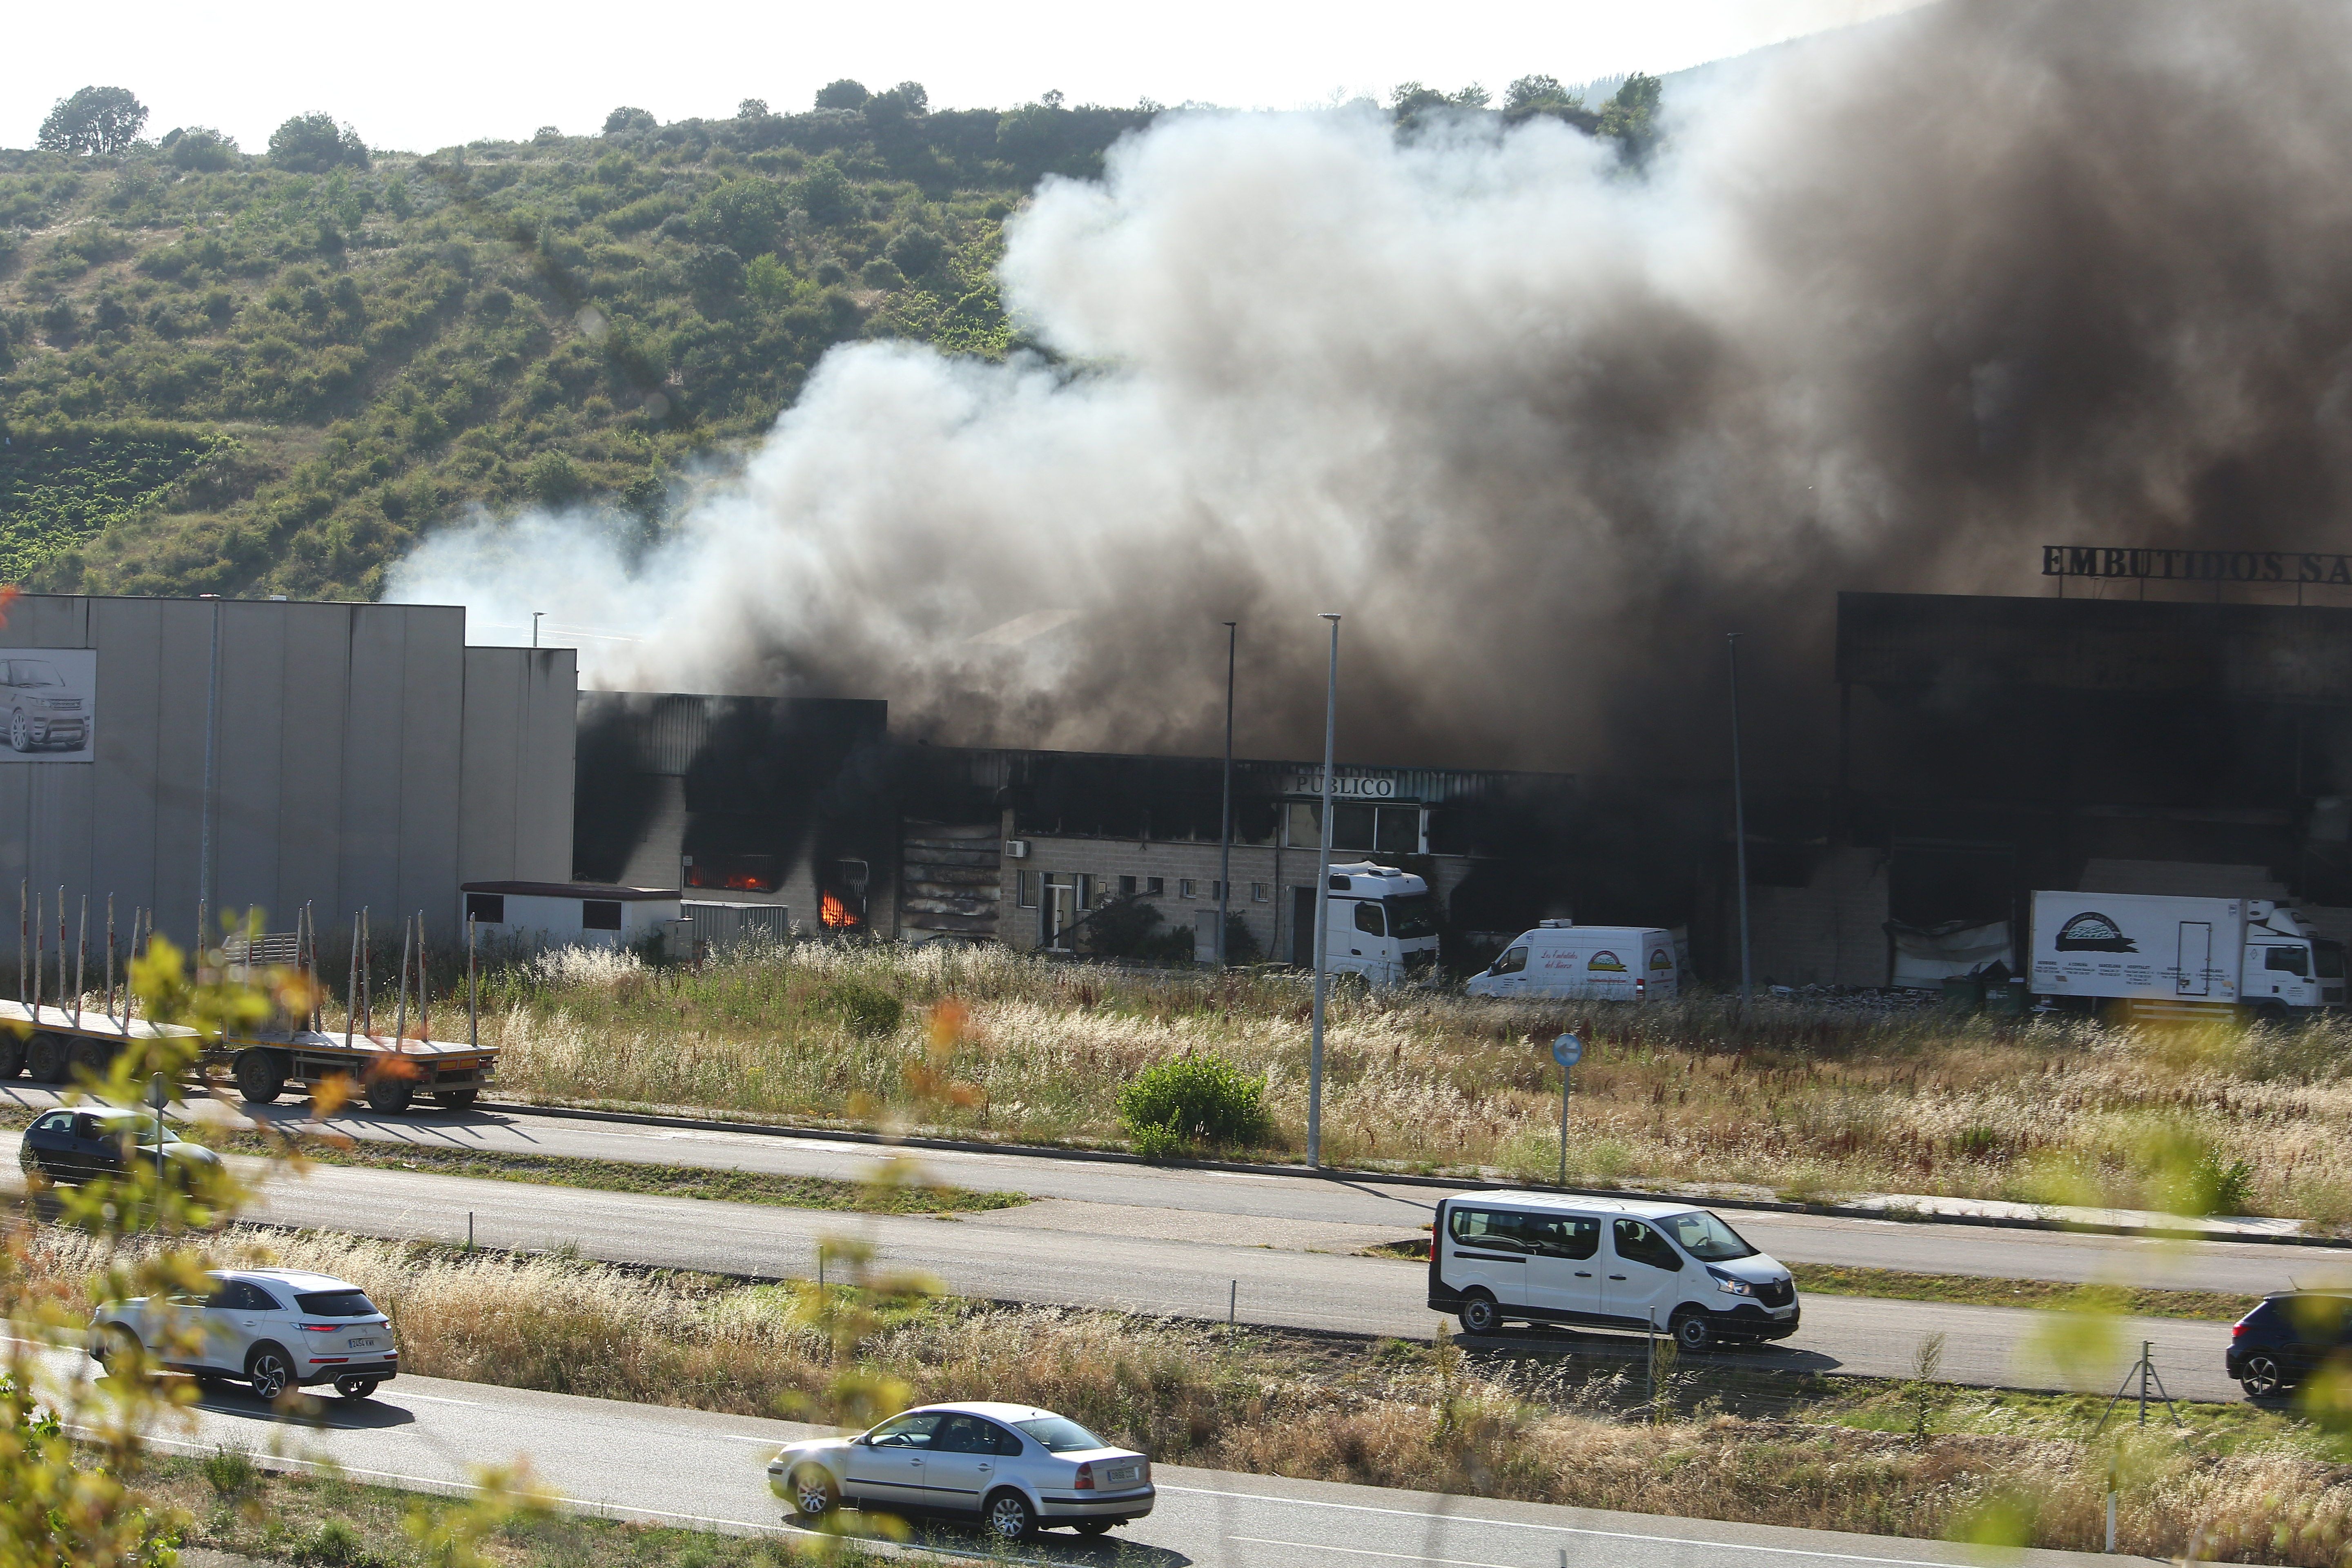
column 1802, row 1099
column 2254, row 1485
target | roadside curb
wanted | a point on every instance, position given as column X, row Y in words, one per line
column 1345, row 1176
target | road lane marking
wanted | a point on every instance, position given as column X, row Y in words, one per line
column 1556, row 1530
column 1364, row 1552
column 438, row 1399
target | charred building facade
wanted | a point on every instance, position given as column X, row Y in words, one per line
column 805, row 813
column 1991, row 746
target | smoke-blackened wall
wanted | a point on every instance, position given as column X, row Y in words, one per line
column 1890, row 311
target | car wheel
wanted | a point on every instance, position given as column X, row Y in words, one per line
column 45, row 1058
column 389, row 1096
column 1693, row 1332
column 268, row 1374
column 1009, row 1517
column 20, row 733
column 2263, row 1377
column 260, row 1076
column 115, row 1343
column 813, row 1494
column 1480, row 1315
column 356, row 1388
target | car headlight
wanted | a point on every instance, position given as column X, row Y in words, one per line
column 1731, row 1285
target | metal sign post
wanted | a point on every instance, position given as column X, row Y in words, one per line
column 1567, row 1051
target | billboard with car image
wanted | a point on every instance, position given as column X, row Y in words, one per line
column 52, row 700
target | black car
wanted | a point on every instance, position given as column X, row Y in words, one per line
column 2288, row 1338
column 78, row 1145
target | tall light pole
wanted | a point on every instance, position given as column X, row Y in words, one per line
column 534, row 626
column 1322, row 906
column 1225, row 833
column 1738, row 819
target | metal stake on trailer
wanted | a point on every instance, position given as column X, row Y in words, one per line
column 40, row 955
column 23, row 936
column 352, row 992
column 367, row 996
column 400, row 1014
column 61, row 948
column 424, row 1013
column 81, row 958
column 110, row 963
column 473, row 991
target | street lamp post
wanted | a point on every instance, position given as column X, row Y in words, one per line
column 1225, row 833
column 1739, row 820
column 1322, row 905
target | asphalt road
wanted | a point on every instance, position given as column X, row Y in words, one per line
column 1334, row 1214
column 1065, row 1252
column 693, row 1468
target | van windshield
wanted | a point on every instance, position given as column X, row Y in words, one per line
column 1707, row 1239
column 1411, row 914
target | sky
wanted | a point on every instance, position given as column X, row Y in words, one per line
column 430, row 73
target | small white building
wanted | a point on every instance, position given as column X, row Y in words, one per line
column 570, row 914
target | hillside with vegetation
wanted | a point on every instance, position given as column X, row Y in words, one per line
column 256, row 372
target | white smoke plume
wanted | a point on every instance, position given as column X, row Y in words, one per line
column 1889, row 311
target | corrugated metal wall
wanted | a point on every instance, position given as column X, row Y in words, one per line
column 366, row 756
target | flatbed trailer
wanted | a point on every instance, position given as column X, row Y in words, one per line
column 47, row 1042
column 390, row 1071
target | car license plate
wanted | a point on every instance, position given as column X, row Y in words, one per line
column 362, row 1345
column 1124, row 1473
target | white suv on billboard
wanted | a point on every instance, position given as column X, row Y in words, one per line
column 44, row 709
column 272, row 1328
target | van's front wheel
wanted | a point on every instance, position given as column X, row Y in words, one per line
column 1479, row 1313
column 1693, row 1330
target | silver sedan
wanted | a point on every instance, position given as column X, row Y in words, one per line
column 1015, row 1467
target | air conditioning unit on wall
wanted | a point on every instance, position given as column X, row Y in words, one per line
column 1016, row 850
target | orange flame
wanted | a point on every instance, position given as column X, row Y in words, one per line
column 835, row 914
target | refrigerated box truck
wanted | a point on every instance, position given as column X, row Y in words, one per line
column 2149, row 947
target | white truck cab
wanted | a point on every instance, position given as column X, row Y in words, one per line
column 1382, row 924
column 1602, row 963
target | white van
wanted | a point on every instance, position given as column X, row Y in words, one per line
column 1602, row 963
column 1542, row 1257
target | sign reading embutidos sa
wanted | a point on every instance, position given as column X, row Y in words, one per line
column 2196, row 565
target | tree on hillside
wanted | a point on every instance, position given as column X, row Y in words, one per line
column 1631, row 119
column 627, row 119
column 841, row 94
column 95, row 119
column 200, row 147
column 314, row 143
column 825, row 194
column 1534, row 96
column 1413, row 101
column 747, row 215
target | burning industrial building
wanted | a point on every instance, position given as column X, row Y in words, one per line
column 1893, row 311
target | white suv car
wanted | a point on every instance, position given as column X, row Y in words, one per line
column 273, row 1328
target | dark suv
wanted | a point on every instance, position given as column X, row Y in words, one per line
column 72, row 1146
column 2286, row 1339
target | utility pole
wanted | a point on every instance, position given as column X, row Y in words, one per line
column 1740, row 822
column 1225, row 834
column 534, row 626
column 1323, row 905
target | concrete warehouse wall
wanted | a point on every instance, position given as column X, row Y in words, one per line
column 366, row 756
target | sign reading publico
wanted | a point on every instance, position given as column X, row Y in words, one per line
column 1344, row 786
column 52, row 703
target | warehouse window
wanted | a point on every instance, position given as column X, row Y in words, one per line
column 1184, row 888
column 600, row 914
column 1257, row 893
column 490, row 909
column 1155, row 887
column 1030, row 881
column 1126, row 887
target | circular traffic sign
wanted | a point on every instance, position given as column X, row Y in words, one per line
column 1568, row 1050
